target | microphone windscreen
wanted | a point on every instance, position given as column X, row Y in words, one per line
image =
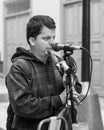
column 55, row 47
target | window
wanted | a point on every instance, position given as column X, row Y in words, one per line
column 17, row 6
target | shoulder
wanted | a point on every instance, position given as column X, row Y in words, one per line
column 21, row 65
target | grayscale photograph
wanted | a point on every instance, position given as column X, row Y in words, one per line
column 51, row 64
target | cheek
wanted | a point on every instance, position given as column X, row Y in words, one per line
column 43, row 44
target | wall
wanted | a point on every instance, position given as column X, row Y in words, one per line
column 1, row 31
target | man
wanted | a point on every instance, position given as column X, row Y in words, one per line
column 34, row 84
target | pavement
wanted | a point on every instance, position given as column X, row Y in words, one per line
column 4, row 104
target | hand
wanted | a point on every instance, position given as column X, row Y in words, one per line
column 75, row 97
column 63, row 96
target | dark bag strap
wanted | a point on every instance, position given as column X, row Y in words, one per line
column 32, row 66
column 33, row 71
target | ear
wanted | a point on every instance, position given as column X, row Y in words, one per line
column 31, row 40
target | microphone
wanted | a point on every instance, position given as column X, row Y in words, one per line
column 66, row 47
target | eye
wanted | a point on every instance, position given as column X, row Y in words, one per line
column 46, row 38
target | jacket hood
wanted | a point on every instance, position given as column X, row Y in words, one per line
column 22, row 53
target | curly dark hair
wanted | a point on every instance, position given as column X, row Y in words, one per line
column 36, row 23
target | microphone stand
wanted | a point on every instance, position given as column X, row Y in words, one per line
column 69, row 90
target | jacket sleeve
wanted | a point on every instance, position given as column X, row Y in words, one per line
column 23, row 102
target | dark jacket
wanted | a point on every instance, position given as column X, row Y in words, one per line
column 33, row 92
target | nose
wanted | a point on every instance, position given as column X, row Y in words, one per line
column 52, row 41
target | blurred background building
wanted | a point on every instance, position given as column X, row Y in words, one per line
column 67, row 14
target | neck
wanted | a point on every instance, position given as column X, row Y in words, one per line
column 39, row 56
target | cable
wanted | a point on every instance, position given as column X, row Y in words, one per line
column 90, row 74
column 72, row 64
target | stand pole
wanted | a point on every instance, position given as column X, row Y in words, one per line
column 69, row 85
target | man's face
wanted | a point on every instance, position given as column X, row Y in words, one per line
column 43, row 41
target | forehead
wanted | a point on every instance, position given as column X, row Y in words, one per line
column 47, row 31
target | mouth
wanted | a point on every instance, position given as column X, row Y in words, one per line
column 49, row 47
